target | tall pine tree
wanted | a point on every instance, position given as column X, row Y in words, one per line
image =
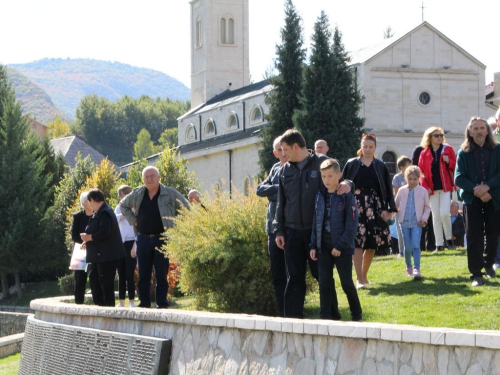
column 330, row 97
column 284, row 99
column 23, row 187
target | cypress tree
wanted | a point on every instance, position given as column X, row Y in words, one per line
column 23, row 187
column 284, row 99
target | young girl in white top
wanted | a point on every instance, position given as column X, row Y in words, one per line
column 413, row 206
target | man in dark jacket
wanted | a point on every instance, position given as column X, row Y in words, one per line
column 457, row 225
column 299, row 182
column 269, row 188
column 478, row 176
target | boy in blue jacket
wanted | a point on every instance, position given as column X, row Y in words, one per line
column 332, row 242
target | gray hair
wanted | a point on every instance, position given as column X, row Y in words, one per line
column 194, row 191
column 276, row 142
column 320, row 140
column 148, row 168
column 83, row 198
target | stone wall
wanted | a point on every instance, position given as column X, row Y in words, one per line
column 209, row 343
column 12, row 323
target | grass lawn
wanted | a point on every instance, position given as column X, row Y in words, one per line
column 10, row 365
column 33, row 291
column 443, row 298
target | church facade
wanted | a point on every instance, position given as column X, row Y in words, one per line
column 410, row 83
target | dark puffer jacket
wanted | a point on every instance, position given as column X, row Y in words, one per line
column 343, row 222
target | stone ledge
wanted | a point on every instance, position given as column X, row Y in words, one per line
column 11, row 344
column 47, row 308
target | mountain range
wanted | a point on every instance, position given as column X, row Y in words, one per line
column 54, row 87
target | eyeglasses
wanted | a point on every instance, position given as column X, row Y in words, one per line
column 438, row 135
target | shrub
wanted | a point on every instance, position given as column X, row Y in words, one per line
column 222, row 254
column 67, row 285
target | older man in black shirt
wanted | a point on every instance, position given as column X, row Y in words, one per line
column 150, row 209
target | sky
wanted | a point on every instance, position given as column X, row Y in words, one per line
column 156, row 34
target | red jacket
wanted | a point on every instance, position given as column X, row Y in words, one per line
column 446, row 169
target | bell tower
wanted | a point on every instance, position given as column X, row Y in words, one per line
column 219, row 48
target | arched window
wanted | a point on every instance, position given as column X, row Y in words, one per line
column 232, row 121
column 190, row 133
column 210, row 127
column 226, row 29
column 257, row 115
column 198, row 32
column 223, row 31
column 389, row 158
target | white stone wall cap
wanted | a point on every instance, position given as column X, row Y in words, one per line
column 12, row 339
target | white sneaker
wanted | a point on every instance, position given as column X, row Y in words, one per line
column 399, row 256
column 119, row 305
column 131, row 304
column 496, row 266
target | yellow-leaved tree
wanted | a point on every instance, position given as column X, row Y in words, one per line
column 58, row 128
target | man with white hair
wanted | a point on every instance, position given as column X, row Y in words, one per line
column 150, row 208
column 321, row 147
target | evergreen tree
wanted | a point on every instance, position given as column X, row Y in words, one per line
column 315, row 119
column 144, row 147
column 23, row 187
column 284, row 99
column 174, row 172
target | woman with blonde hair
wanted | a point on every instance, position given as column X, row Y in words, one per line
column 437, row 163
column 375, row 203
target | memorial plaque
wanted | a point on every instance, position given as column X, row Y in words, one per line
column 53, row 349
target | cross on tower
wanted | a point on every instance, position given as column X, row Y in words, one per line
column 422, row 11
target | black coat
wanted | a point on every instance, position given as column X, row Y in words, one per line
column 80, row 222
column 106, row 244
column 383, row 176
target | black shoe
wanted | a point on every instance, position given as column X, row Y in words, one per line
column 450, row 245
column 490, row 272
column 477, row 281
column 438, row 248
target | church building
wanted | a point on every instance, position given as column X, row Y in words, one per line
column 409, row 83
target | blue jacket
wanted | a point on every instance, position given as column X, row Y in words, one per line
column 343, row 222
column 269, row 188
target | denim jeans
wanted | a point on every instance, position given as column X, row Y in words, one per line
column 412, row 245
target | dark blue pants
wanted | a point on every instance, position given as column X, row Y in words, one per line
column 278, row 272
column 126, row 268
column 481, row 220
column 296, row 258
column 80, row 285
column 102, row 282
column 327, row 293
column 147, row 257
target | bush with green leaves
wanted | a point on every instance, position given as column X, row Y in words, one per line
column 67, row 285
column 222, row 254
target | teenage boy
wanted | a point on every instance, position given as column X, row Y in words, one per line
column 398, row 181
column 332, row 241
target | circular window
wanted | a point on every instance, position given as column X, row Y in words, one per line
column 424, row 98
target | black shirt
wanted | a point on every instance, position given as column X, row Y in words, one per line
column 149, row 220
column 366, row 178
column 435, row 170
column 482, row 162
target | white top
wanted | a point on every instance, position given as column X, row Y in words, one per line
column 126, row 230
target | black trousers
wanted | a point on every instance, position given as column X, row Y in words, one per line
column 126, row 268
column 147, row 257
column 102, row 283
column 278, row 271
column 427, row 239
column 327, row 293
column 481, row 220
column 80, row 284
column 296, row 258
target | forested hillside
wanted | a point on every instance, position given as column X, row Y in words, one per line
column 35, row 101
column 67, row 81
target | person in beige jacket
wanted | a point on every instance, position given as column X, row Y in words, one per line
column 412, row 202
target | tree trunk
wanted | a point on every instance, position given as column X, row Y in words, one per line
column 18, row 284
column 5, row 285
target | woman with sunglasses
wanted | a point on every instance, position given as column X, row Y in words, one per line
column 375, row 203
column 437, row 163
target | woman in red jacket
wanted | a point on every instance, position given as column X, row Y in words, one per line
column 437, row 163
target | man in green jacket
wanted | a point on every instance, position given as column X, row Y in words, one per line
column 150, row 209
column 478, row 176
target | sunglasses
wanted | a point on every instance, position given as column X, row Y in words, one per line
column 438, row 135
column 370, row 135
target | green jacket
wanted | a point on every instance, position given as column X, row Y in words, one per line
column 466, row 176
column 169, row 203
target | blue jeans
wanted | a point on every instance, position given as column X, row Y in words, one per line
column 412, row 245
column 497, row 258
